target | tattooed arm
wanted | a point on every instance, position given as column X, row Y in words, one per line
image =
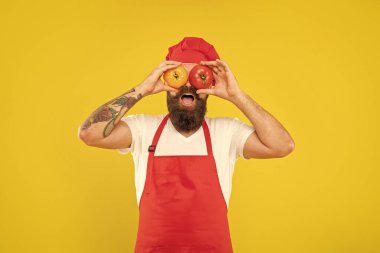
column 109, row 114
column 104, row 129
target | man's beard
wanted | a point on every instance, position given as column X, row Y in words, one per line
column 186, row 119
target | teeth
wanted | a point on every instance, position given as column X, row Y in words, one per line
column 188, row 94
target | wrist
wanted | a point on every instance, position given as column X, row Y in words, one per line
column 141, row 89
column 237, row 97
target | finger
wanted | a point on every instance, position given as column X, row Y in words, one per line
column 162, row 69
column 212, row 65
column 168, row 63
column 172, row 61
column 206, row 91
column 173, row 64
column 171, row 89
column 215, row 71
column 218, row 69
column 209, row 63
column 217, row 77
column 224, row 64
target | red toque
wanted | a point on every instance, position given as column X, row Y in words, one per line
column 192, row 49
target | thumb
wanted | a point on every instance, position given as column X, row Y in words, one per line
column 206, row 91
column 168, row 88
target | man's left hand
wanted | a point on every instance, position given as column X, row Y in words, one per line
column 226, row 85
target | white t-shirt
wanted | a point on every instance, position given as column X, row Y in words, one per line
column 228, row 136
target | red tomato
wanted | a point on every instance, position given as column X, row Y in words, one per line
column 201, row 77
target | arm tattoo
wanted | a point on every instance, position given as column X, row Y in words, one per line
column 112, row 111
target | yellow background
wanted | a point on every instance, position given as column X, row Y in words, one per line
column 314, row 65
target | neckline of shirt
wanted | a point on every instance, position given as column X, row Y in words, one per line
column 187, row 139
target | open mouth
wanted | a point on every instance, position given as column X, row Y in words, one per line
column 187, row 99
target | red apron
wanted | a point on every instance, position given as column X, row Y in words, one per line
column 182, row 208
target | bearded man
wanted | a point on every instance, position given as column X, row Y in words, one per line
column 184, row 160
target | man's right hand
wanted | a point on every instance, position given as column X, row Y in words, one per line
column 153, row 84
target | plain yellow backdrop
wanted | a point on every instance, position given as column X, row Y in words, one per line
column 314, row 65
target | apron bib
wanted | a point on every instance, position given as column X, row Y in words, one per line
column 182, row 208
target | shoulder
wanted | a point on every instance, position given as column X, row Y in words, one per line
column 228, row 126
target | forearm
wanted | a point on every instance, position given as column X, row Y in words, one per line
column 104, row 119
column 269, row 130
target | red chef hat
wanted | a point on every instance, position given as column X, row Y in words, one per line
column 192, row 49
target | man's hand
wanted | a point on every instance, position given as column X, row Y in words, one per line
column 226, row 85
column 153, row 84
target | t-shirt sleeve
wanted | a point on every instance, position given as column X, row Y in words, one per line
column 240, row 133
column 135, row 123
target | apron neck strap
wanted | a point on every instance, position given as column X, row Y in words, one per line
column 207, row 137
column 161, row 128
